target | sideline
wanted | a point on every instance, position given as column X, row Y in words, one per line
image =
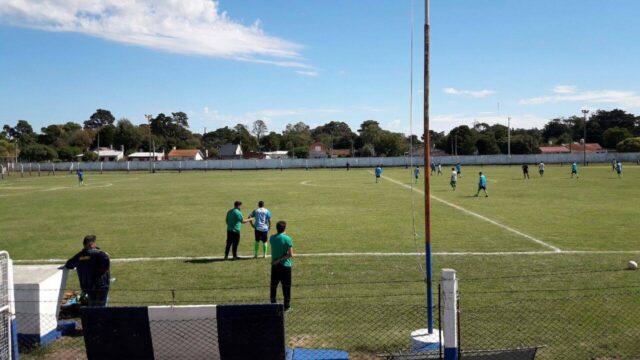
column 481, row 217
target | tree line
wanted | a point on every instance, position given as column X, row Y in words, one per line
column 615, row 129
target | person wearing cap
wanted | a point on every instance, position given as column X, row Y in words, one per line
column 92, row 266
column 234, row 221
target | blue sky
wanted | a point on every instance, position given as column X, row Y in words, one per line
column 235, row 61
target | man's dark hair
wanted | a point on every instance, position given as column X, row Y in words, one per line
column 237, row 203
column 89, row 239
column 281, row 226
column 260, row 203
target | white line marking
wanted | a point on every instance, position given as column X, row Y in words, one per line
column 540, row 242
column 359, row 254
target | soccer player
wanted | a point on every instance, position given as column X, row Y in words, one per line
column 348, row 166
column 525, row 171
column 433, row 168
column 614, row 165
column 92, row 265
column 281, row 263
column 234, row 222
column 619, row 169
column 574, row 170
column 454, row 179
column 482, row 185
column 416, row 173
column 80, row 174
column 459, row 169
column 261, row 224
column 541, row 169
column 378, row 172
column 439, row 169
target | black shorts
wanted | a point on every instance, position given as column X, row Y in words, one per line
column 261, row 235
column 574, row 171
column 482, row 188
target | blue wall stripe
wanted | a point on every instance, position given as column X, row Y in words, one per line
column 117, row 333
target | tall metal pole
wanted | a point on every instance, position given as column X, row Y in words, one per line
column 427, row 175
column 148, row 117
column 584, row 138
column 509, row 137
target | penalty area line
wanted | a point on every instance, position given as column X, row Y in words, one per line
column 481, row 217
column 358, row 254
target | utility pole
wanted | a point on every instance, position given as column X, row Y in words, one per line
column 584, row 138
column 509, row 137
column 427, row 180
column 148, row 117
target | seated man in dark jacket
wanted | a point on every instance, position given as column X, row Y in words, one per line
column 92, row 265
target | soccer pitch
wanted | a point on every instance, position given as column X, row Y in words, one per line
column 546, row 250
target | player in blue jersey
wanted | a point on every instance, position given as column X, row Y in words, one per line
column 261, row 224
column 482, row 185
column 433, row 168
column 459, row 169
column 416, row 173
column 574, row 170
column 378, row 172
column 80, row 174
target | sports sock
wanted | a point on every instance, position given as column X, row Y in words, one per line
column 265, row 246
column 255, row 248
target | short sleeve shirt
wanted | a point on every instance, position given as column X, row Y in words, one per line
column 234, row 220
column 280, row 245
column 262, row 217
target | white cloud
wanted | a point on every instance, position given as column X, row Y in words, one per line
column 619, row 97
column 311, row 73
column 195, row 27
column 564, row 89
column 469, row 93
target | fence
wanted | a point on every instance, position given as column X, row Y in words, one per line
column 230, row 165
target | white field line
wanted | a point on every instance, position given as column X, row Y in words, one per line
column 358, row 254
column 481, row 217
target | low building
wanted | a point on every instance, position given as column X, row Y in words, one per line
column 185, row 155
column 281, row 154
column 554, row 150
column 231, row 152
column 254, row 155
column 340, row 153
column 146, row 156
column 108, row 154
column 317, row 150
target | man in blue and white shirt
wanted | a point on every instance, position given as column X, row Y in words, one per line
column 261, row 223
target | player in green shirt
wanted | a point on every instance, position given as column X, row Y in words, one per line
column 281, row 262
column 234, row 222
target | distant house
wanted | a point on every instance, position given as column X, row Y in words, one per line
column 317, row 150
column 282, row 154
column 572, row 148
column 108, row 154
column 185, row 154
column 554, row 150
column 338, row 153
column 231, row 152
column 254, row 155
column 146, row 156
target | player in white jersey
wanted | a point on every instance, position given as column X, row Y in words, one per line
column 541, row 169
column 261, row 223
column 454, row 178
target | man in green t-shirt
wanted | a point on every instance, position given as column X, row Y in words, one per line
column 234, row 222
column 281, row 262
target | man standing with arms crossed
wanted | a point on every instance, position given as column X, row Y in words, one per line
column 261, row 224
column 281, row 263
column 92, row 265
column 234, row 222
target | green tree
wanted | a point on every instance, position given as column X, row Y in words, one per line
column 127, row 136
column 259, row 129
column 613, row 136
column 69, row 153
column 38, row 152
column 243, row 137
column 335, row 133
column 22, row 132
column 99, row 119
column 487, row 145
column 629, row 145
column 390, row 144
column 462, row 141
column 271, row 141
column 297, row 134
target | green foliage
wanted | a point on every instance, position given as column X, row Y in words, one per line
column 629, row 145
column 367, row 150
column 38, row 152
column 68, row 153
column 271, row 142
column 300, row 152
column 487, row 145
column 127, row 135
column 89, row 156
column 99, row 119
column 613, row 136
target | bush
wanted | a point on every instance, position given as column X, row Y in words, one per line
column 629, row 145
column 301, row 152
column 89, row 156
column 613, row 136
column 69, row 153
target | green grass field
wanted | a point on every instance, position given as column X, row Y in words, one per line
column 516, row 290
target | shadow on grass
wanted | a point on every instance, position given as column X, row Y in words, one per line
column 208, row 261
